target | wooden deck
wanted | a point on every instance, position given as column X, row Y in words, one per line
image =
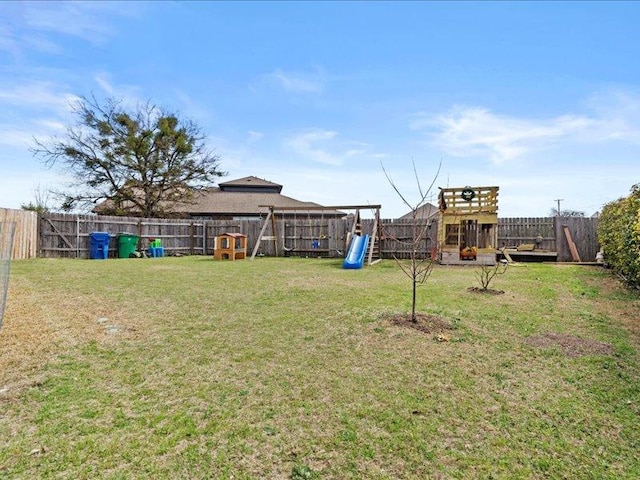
column 529, row 256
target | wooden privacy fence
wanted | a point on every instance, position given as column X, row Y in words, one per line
column 548, row 234
column 583, row 232
column 25, row 240
column 68, row 235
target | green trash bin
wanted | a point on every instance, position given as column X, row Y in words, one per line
column 127, row 245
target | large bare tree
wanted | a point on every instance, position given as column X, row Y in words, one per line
column 143, row 161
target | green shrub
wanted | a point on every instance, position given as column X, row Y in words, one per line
column 619, row 236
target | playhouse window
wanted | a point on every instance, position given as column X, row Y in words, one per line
column 224, row 242
column 469, row 233
column 451, row 234
column 487, row 235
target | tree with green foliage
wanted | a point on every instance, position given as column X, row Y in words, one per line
column 143, row 161
column 619, row 236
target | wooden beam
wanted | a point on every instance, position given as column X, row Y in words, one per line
column 319, row 207
column 572, row 246
column 59, row 233
column 372, row 240
column 259, row 239
column 506, row 255
column 275, row 231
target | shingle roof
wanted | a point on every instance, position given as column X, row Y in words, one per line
column 424, row 212
column 245, row 202
column 250, row 181
column 216, row 201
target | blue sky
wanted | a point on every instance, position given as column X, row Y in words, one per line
column 541, row 99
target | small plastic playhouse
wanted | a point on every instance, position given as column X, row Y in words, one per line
column 230, row 246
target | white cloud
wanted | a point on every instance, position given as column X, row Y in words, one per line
column 37, row 94
column 298, row 82
column 466, row 131
column 37, row 26
column 313, row 145
column 192, row 109
column 128, row 94
column 15, row 138
column 85, row 20
column 618, row 114
column 255, row 136
column 23, row 137
column 103, row 82
column 42, row 44
column 324, row 146
column 50, row 124
column 8, row 39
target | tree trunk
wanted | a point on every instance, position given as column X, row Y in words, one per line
column 414, row 318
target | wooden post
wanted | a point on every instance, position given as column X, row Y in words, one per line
column 506, row 255
column 78, row 238
column 191, row 238
column 275, row 231
column 260, row 235
column 139, row 234
column 372, row 240
column 572, row 246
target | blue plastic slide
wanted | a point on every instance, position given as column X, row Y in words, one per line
column 357, row 251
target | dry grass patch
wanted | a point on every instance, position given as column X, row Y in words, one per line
column 570, row 345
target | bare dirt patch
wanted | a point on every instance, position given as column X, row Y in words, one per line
column 570, row 345
column 432, row 324
column 488, row 291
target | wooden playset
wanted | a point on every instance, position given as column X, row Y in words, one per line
column 312, row 239
column 468, row 225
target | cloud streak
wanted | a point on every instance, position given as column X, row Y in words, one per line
column 323, row 146
column 466, row 131
column 43, row 95
column 85, row 20
column 41, row 26
column 299, row 83
column 470, row 131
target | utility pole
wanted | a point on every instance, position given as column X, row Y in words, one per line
column 558, row 210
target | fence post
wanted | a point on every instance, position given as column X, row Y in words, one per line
column 205, row 227
column 77, row 236
column 191, row 238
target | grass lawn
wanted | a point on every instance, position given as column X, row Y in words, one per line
column 293, row 369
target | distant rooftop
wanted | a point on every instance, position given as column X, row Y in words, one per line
column 250, row 184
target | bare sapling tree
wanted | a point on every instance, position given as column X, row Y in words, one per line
column 486, row 273
column 420, row 264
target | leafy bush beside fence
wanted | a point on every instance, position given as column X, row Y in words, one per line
column 619, row 236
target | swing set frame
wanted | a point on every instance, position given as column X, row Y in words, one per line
column 274, row 211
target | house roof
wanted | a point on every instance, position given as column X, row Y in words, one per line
column 426, row 211
column 240, row 197
column 251, row 182
column 217, row 201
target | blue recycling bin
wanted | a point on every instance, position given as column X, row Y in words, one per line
column 99, row 245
